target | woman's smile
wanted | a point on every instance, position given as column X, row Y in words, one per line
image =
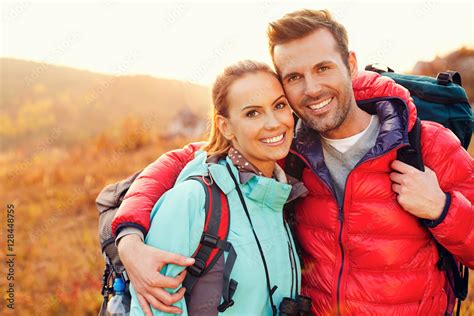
column 274, row 140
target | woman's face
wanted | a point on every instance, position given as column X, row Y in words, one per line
column 260, row 122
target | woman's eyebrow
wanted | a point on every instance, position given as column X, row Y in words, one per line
column 277, row 99
column 259, row 106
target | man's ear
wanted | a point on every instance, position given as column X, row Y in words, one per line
column 352, row 61
column 225, row 127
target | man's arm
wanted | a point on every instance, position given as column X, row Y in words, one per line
column 132, row 222
column 155, row 179
column 443, row 195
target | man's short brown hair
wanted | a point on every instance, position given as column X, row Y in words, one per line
column 298, row 24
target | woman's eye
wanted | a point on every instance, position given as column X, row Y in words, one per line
column 252, row 113
column 280, row 105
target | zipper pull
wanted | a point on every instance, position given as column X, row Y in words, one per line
column 341, row 215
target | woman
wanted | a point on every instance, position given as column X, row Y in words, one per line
column 252, row 128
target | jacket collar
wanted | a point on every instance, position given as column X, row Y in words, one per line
column 264, row 190
column 268, row 191
column 393, row 115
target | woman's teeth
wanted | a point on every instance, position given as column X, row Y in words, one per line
column 273, row 139
column 320, row 105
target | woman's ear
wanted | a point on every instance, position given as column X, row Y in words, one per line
column 225, row 127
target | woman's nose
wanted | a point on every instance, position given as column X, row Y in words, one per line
column 272, row 121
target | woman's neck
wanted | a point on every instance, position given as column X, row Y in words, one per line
column 262, row 168
column 267, row 168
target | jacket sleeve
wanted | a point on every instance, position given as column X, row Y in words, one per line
column 184, row 202
column 149, row 186
column 454, row 168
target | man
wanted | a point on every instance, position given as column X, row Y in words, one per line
column 369, row 224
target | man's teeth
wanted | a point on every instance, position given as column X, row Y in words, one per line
column 273, row 139
column 320, row 105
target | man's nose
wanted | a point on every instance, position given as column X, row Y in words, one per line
column 312, row 87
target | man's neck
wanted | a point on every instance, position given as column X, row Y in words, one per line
column 356, row 121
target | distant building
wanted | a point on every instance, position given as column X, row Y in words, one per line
column 185, row 124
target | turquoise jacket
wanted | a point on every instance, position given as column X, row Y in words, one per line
column 177, row 223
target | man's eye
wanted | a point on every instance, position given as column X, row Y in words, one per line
column 252, row 113
column 323, row 68
column 280, row 105
column 293, row 78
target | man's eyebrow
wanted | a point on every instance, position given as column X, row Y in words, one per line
column 259, row 106
column 320, row 64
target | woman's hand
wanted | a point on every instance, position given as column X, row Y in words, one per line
column 143, row 264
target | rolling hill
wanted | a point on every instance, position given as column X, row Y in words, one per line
column 41, row 102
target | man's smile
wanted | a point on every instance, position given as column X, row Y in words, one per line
column 320, row 106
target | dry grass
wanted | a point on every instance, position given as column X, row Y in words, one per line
column 58, row 262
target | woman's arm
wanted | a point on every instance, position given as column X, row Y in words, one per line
column 177, row 222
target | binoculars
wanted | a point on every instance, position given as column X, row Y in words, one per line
column 301, row 306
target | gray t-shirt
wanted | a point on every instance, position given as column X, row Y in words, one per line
column 340, row 164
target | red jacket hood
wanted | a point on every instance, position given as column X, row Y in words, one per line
column 370, row 85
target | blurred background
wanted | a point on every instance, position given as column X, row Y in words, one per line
column 92, row 91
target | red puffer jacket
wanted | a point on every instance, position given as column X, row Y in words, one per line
column 372, row 257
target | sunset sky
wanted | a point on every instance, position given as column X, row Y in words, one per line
column 194, row 40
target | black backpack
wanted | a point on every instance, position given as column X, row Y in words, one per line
column 212, row 245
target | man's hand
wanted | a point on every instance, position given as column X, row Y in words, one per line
column 418, row 192
column 143, row 264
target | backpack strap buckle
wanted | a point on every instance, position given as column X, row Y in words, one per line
column 225, row 305
column 227, row 296
column 446, row 77
column 209, row 240
column 198, row 267
column 378, row 68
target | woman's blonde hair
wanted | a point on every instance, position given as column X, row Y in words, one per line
column 217, row 143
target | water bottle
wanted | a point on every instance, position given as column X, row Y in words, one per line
column 117, row 306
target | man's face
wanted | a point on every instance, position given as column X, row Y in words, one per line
column 316, row 80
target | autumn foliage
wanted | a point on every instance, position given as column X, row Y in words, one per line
column 56, row 157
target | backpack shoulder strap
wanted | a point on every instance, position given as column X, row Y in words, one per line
column 213, row 243
column 411, row 154
column 457, row 274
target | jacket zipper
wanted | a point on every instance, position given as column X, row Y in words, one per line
column 341, row 219
column 339, row 278
column 341, row 215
